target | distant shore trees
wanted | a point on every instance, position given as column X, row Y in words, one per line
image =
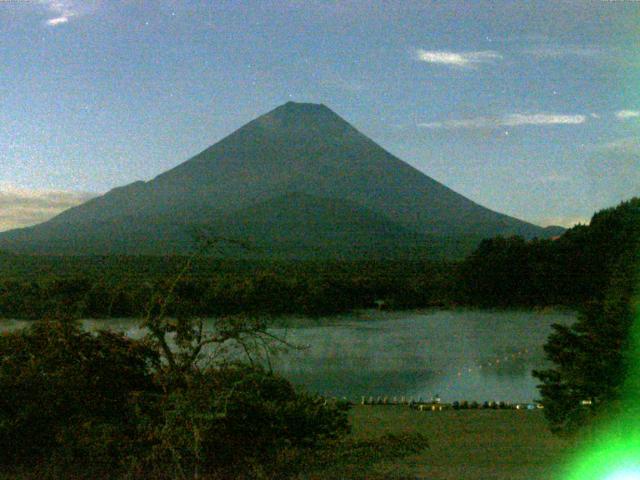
column 117, row 287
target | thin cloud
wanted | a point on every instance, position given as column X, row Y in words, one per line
column 553, row 177
column 612, row 170
column 62, row 11
column 479, row 122
column 542, row 119
column 563, row 51
column 626, row 114
column 52, row 22
column 546, row 179
column 21, row 207
column 630, row 146
column 334, row 80
column 457, row 59
column 511, row 120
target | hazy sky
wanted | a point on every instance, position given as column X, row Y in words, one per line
column 529, row 108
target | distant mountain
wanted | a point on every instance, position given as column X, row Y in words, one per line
column 553, row 231
column 298, row 182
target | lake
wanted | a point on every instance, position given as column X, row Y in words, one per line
column 456, row 354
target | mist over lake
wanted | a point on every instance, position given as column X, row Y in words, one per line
column 458, row 354
column 473, row 355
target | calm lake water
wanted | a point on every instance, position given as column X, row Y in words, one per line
column 459, row 354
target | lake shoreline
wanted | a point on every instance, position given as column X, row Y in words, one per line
column 358, row 312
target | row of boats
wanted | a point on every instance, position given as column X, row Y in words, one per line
column 437, row 405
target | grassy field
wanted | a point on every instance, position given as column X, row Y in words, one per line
column 388, row 443
column 463, row 445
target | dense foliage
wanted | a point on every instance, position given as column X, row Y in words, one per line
column 81, row 405
column 69, row 395
column 572, row 269
column 591, row 358
column 501, row 272
column 104, row 287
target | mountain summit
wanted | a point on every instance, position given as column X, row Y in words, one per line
column 298, row 181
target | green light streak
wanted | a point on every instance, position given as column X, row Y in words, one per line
column 614, row 456
column 615, row 452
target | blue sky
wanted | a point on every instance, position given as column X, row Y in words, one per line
column 529, row 108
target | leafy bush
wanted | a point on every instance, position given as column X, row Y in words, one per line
column 62, row 388
column 233, row 420
column 86, row 405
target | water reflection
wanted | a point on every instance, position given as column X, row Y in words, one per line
column 465, row 354
column 473, row 355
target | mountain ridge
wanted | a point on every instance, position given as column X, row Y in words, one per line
column 296, row 147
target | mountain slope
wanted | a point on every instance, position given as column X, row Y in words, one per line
column 302, row 149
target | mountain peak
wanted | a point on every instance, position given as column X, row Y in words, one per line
column 302, row 120
column 301, row 148
column 303, row 107
column 291, row 110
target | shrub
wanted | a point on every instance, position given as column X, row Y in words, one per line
column 65, row 392
column 81, row 405
column 229, row 420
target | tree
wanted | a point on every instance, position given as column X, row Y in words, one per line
column 592, row 357
column 498, row 273
column 589, row 368
column 69, row 395
column 223, row 413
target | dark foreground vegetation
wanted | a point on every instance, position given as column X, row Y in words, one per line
column 78, row 405
column 575, row 268
column 594, row 359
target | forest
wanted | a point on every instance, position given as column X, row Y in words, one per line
column 500, row 273
column 116, row 287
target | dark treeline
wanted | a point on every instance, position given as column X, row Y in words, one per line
column 596, row 270
column 571, row 270
column 595, row 359
column 502, row 272
column 104, row 287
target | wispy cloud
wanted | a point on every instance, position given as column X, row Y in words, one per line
column 62, row 9
column 511, row 120
column 612, row 170
column 630, row 145
column 553, row 177
column 457, row 59
column 563, row 51
column 20, row 207
column 542, row 119
column 61, row 12
column 478, row 122
column 52, row 22
column 334, row 80
column 626, row 114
